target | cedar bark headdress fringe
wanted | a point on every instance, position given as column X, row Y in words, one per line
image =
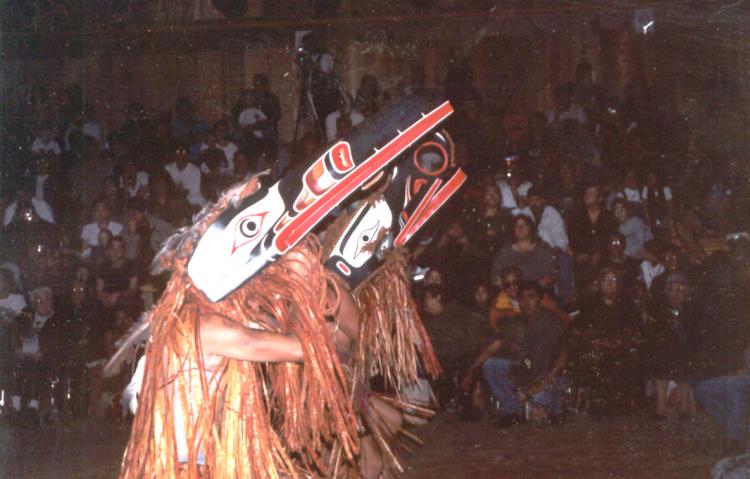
column 393, row 338
column 242, row 419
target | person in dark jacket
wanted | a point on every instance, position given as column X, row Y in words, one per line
column 604, row 364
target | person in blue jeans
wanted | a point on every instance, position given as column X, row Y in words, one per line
column 529, row 361
column 720, row 357
column 727, row 400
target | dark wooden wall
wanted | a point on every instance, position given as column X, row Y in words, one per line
column 514, row 58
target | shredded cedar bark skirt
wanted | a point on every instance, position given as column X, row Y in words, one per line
column 260, row 420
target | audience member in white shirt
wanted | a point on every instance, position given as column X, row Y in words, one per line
column 218, row 138
column 651, row 267
column 134, row 181
column 186, row 175
column 631, row 192
column 550, row 224
column 513, row 192
column 90, row 232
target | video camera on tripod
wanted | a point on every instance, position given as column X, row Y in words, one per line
column 320, row 89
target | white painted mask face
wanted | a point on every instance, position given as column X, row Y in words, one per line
column 233, row 247
column 360, row 241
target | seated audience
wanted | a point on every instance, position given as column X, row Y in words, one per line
column 670, row 261
column 667, row 341
column 527, row 253
column 264, row 111
column 211, row 160
column 43, row 267
column 505, row 305
column 633, row 228
column 102, row 221
column 144, row 235
column 688, row 231
column 565, row 191
column 99, row 252
column 487, row 226
column 456, row 333
column 658, row 201
column 631, row 193
column 11, row 305
column 603, row 364
column 590, row 231
column 512, row 187
column 550, row 225
column 218, row 138
column 134, row 181
column 83, row 319
column 367, row 102
column 117, row 279
column 45, row 143
column 651, row 266
column 721, row 361
column 87, row 175
column 40, row 352
column 242, row 170
column 19, row 209
column 566, row 107
column 114, row 196
column 101, row 404
column 480, row 298
column 187, row 128
column 47, row 188
column 525, row 375
column 627, row 268
column 453, row 252
column 552, row 230
column 186, row 176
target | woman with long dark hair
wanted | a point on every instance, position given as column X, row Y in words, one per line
column 532, row 256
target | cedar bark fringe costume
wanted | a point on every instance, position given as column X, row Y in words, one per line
column 244, row 419
column 209, row 416
column 393, row 342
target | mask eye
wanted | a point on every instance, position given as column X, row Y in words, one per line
column 248, row 229
column 365, row 238
column 431, row 158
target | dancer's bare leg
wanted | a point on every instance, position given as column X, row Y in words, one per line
column 371, row 461
column 348, row 321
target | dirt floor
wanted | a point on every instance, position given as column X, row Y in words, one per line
column 629, row 447
column 632, row 446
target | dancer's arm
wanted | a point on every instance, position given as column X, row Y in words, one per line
column 347, row 315
column 222, row 336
